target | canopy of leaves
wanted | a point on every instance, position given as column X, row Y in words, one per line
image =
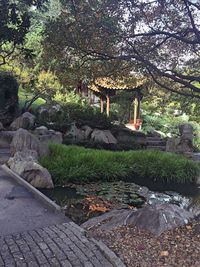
column 14, row 24
column 157, row 38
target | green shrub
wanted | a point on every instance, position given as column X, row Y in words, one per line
column 75, row 112
column 78, row 164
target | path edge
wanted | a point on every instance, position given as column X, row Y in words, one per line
column 37, row 194
column 108, row 253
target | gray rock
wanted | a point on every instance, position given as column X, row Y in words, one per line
column 41, row 130
column 125, row 135
column 103, row 136
column 198, row 180
column 75, row 133
column 1, row 127
column 171, row 145
column 27, row 155
column 155, row 219
column 25, row 121
column 25, row 164
column 186, row 131
column 185, row 146
column 87, row 131
column 47, row 137
column 42, row 113
column 182, row 144
column 159, row 218
column 23, row 140
column 109, row 220
column 186, row 138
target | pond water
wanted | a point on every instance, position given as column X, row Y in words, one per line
column 82, row 202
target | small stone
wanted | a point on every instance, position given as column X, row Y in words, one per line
column 188, row 227
column 164, row 253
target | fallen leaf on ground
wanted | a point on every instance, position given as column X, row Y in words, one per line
column 164, row 253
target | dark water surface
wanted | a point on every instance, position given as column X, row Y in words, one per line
column 61, row 194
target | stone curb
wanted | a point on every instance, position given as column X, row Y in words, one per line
column 38, row 195
column 109, row 254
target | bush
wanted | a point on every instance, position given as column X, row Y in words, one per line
column 78, row 164
column 75, row 112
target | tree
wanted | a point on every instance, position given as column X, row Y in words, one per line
column 158, row 38
column 14, row 25
column 8, row 97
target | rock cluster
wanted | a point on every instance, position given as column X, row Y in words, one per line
column 119, row 135
column 26, row 148
column 25, row 164
column 87, row 133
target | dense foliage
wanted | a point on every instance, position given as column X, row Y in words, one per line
column 8, row 97
column 76, row 164
column 60, row 117
column 15, row 19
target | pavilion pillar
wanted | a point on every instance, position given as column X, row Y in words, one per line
column 136, row 104
column 107, row 105
column 101, row 104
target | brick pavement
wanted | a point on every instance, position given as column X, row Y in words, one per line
column 64, row 245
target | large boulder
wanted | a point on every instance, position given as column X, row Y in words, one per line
column 78, row 134
column 25, row 164
column 25, row 121
column 23, row 140
column 186, row 138
column 42, row 130
column 127, row 136
column 75, row 134
column 47, row 137
column 87, row 131
column 155, row 219
column 103, row 136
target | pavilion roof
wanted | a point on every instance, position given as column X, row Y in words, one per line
column 106, row 83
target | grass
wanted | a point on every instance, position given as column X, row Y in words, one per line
column 78, row 164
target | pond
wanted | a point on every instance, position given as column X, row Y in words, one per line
column 82, row 202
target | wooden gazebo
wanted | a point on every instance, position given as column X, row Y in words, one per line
column 106, row 87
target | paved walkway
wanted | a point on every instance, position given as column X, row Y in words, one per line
column 33, row 235
column 20, row 211
column 60, row 245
